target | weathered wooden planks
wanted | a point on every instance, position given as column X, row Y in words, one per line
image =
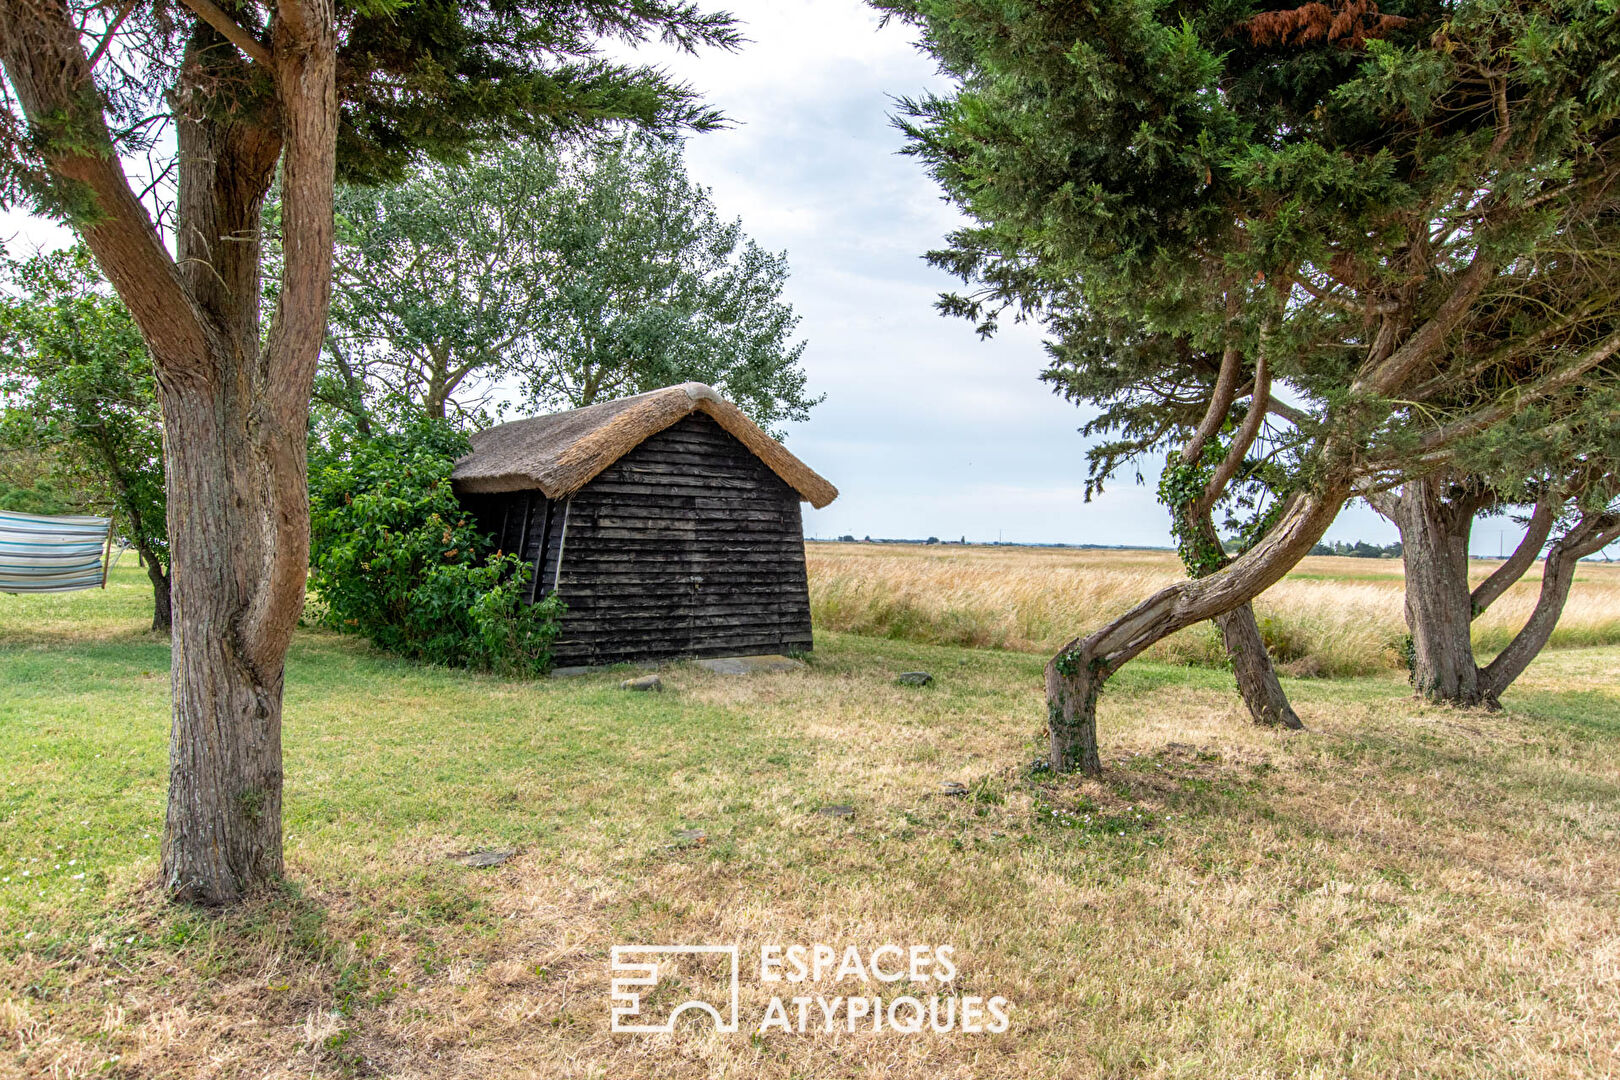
column 686, row 546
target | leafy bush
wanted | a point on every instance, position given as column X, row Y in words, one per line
column 395, row 558
column 39, row 497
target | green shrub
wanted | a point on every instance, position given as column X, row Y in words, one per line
column 40, row 497
column 395, row 558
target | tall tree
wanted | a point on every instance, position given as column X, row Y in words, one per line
column 1557, row 455
column 76, row 380
column 579, row 274
column 1327, row 198
column 306, row 89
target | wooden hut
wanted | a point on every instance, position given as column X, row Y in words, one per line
column 667, row 522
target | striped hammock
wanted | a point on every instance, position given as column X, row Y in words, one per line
column 52, row 554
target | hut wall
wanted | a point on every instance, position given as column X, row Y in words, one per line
column 525, row 523
column 686, row 546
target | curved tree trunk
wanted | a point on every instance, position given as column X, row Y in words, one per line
column 1075, row 676
column 1439, row 605
column 1536, row 531
column 1245, row 647
column 1592, row 534
column 1240, row 634
column 162, row 606
column 1256, row 675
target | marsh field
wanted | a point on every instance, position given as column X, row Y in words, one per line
column 1332, row 615
column 1398, row 891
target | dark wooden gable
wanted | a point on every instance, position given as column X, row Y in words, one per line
column 686, row 546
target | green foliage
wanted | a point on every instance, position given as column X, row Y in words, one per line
column 1360, row 549
column 1181, row 483
column 1406, row 648
column 77, row 391
column 426, row 78
column 39, row 497
column 395, row 558
column 581, row 276
column 1162, row 184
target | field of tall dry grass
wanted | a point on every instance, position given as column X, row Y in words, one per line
column 1331, row 616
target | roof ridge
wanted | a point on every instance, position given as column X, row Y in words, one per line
column 559, row 453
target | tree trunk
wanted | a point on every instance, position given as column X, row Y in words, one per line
column 1075, row 676
column 162, row 609
column 237, row 471
column 235, row 398
column 436, row 394
column 222, row 836
column 1251, row 664
column 354, row 391
column 1439, row 605
column 1536, row 531
column 1245, row 647
column 1240, row 634
column 1071, row 715
column 1592, row 534
column 141, row 530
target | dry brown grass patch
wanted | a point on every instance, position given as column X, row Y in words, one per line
column 1331, row 616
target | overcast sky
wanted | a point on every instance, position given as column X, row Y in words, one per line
column 926, row 430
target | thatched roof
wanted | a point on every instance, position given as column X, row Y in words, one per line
column 561, row 453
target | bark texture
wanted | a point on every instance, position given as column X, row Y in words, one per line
column 235, row 410
column 1536, row 532
column 1435, row 515
column 1240, row 633
column 1439, row 607
column 1591, row 534
column 1251, row 664
column 162, row 603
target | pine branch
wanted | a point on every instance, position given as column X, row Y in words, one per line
column 214, row 16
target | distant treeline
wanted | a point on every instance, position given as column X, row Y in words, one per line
column 964, row 542
column 1359, row 550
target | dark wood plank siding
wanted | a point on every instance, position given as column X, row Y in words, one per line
column 523, row 522
column 686, row 546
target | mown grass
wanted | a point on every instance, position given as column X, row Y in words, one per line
column 1332, row 616
column 1399, row 891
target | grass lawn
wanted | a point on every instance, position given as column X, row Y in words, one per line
column 1400, row 891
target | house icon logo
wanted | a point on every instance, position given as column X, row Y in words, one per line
column 654, row 984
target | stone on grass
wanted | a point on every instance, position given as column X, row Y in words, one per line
column 953, row 787
column 915, row 678
column 646, row 682
column 837, row 811
column 488, row 857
